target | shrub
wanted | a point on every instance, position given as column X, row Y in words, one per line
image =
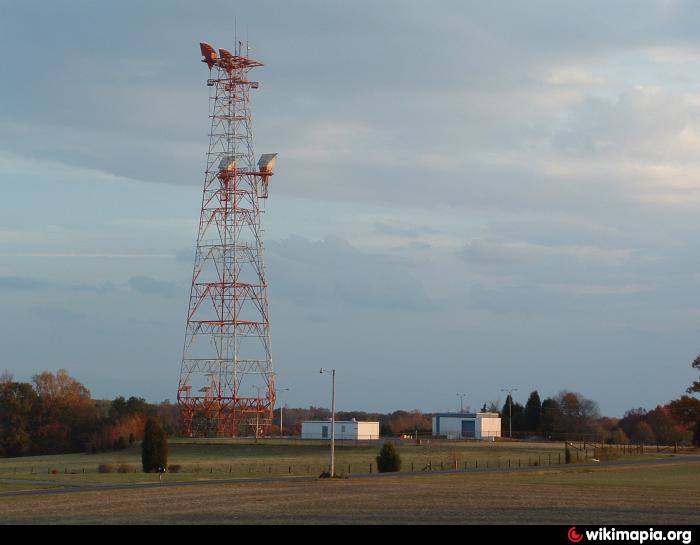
column 105, row 468
column 567, row 455
column 696, row 435
column 174, row 468
column 119, row 443
column 154, row 447
column 124, row 468
column 388, row 460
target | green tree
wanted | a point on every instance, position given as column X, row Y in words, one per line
column 533, row 412
column 118, row 408
column 389, row 459
column 516, row 410
column 19, row 407
column 694, row 388
column 154, row 447
column 578, row 414
column 550, row 419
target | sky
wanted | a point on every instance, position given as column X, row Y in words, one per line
column 469, row 196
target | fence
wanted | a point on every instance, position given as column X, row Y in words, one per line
column 580, row 453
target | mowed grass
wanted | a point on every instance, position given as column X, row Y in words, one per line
column 641, row 494
column 217, row 459
column 20, row 486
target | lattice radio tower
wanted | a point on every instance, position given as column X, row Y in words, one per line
column 227, row 384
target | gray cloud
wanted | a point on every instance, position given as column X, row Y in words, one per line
column 21, row 283
column 56, row 314
column 152, row 286
column 333, row 270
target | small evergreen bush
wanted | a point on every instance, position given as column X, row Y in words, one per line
column 388, row 460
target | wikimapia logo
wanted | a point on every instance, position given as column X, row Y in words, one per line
column 637, row 536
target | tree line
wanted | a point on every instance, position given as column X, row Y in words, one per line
column 569, row 414
column 56, row 414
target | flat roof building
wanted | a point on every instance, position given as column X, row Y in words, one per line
column 344, row 429
column 467, row 425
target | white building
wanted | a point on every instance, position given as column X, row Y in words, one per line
column 467, row 425
column 351, row 429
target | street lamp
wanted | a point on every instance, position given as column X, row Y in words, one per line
column 281, row 404
column 461, row 402
column 257, row 413
column 510, row 409
column 332, row 371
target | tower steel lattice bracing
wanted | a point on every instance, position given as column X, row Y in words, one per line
column 227, row 383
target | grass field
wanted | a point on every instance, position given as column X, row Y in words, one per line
column 632, row 494
column 216, row 459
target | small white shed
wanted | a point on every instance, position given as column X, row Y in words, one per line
column 344, row 429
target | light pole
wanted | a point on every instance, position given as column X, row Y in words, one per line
column 281, row 405
column 510, row 409
column 257, row 413
column 461, row 402
column 332, row 371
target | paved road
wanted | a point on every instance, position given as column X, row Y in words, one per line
column 72, row 488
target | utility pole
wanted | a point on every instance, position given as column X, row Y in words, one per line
column 461, row 402
column 510, row 409
column 281, row 405
column 332, row 371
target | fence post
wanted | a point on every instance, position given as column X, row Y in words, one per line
column 476, row 464
column 370, row 468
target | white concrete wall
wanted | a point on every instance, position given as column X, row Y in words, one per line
column 368, row 430
column 487, row 427
column 343, row 430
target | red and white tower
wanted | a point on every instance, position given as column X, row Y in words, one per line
column 227, row 383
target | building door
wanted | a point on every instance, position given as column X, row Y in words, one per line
column 468, row 428
column 324, row 432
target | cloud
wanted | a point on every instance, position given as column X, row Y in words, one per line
column 504, row 253
column 56, row 314
column 152, row 286
column 401, row 230
column 334, row 271
column 21, row 283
